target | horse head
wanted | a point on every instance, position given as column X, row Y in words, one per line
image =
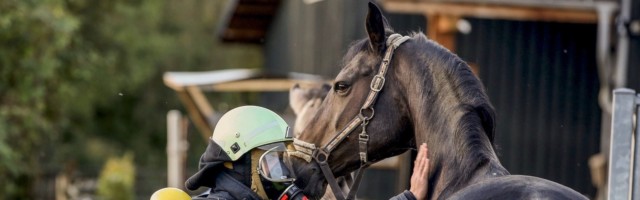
column 426, row 94
column 390, row 129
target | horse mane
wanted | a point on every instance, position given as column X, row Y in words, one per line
column 474, row 112
column 467, row 87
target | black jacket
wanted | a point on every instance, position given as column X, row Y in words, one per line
column 211, row 163
column 406, row 195
column 229, row 188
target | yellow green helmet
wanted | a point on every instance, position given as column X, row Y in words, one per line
column 248, row 127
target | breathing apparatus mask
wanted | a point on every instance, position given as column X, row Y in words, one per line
column 276, row 173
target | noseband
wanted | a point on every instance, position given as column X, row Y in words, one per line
column 307, row 151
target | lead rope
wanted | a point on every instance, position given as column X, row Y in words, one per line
column 308, row 151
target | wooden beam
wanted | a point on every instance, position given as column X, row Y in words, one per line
column 442, row 29
column 200, row 121
column 493, row 11
column 178, row 81
column 251, row 35
column 200, row 100
column 250, row 23
column 256, row 9
column 191, row 85
column 255, row 85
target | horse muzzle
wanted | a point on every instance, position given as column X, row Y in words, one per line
column 309, row 178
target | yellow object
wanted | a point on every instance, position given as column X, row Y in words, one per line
column 228, row 165
column 170, row 194
column 256, row 184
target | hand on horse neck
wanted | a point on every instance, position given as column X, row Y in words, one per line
column 460, row 152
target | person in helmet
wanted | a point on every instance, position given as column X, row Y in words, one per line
column 245, row 159
column 228, row 166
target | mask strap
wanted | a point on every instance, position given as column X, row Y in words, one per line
column 228, row 165
column 256, row 184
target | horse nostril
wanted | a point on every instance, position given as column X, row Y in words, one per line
column 296, row 86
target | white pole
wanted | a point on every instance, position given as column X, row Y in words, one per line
column 175, row 150
column 620, row 156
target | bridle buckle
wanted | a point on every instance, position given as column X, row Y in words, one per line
column 321, row 156
column 363, row 139
column 363, row 158
column 377, row 83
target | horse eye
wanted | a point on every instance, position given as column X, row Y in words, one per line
column 341, row 87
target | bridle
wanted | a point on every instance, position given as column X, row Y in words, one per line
column 308, row 151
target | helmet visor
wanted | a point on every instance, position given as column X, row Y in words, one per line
column 274, row 164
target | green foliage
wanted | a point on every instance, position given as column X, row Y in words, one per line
column 117, row 178
column 33, row 36
column 80, row 80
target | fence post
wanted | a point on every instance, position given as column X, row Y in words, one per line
column 620, row 160
column 176, row 149
column 636, row 162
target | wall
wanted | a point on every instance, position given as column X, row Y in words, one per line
column 542, row 80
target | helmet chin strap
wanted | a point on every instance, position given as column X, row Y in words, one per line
column 256, row 184
column 308, row 151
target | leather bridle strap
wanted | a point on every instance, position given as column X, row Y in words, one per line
column 307, row 150
column 377, row 83
column 356, row 184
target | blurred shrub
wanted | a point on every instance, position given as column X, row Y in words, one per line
column 116, row 181
column 34, row 36
column 82, row 79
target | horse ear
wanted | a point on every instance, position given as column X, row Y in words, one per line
column 376, row 28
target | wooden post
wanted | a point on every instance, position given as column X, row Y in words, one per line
column 176, row 149
column 61, row 185
column 442, row 29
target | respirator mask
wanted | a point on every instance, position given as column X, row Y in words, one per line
column 277, row 174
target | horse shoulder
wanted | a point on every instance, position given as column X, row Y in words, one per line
column 516, row 187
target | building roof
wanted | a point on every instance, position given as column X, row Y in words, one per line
column 247, row 20
column 581, row 11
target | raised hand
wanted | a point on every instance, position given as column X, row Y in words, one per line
column 420, row 179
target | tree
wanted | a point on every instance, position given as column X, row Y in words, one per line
column 80, row 80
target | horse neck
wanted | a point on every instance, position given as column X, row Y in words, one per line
column 460, row 151
column 460, row 154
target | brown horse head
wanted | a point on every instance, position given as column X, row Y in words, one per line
column 430, row 95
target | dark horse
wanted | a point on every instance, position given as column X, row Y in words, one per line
column 430, row 96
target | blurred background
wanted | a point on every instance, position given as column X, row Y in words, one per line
column 85, row 88
column 81, row 83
